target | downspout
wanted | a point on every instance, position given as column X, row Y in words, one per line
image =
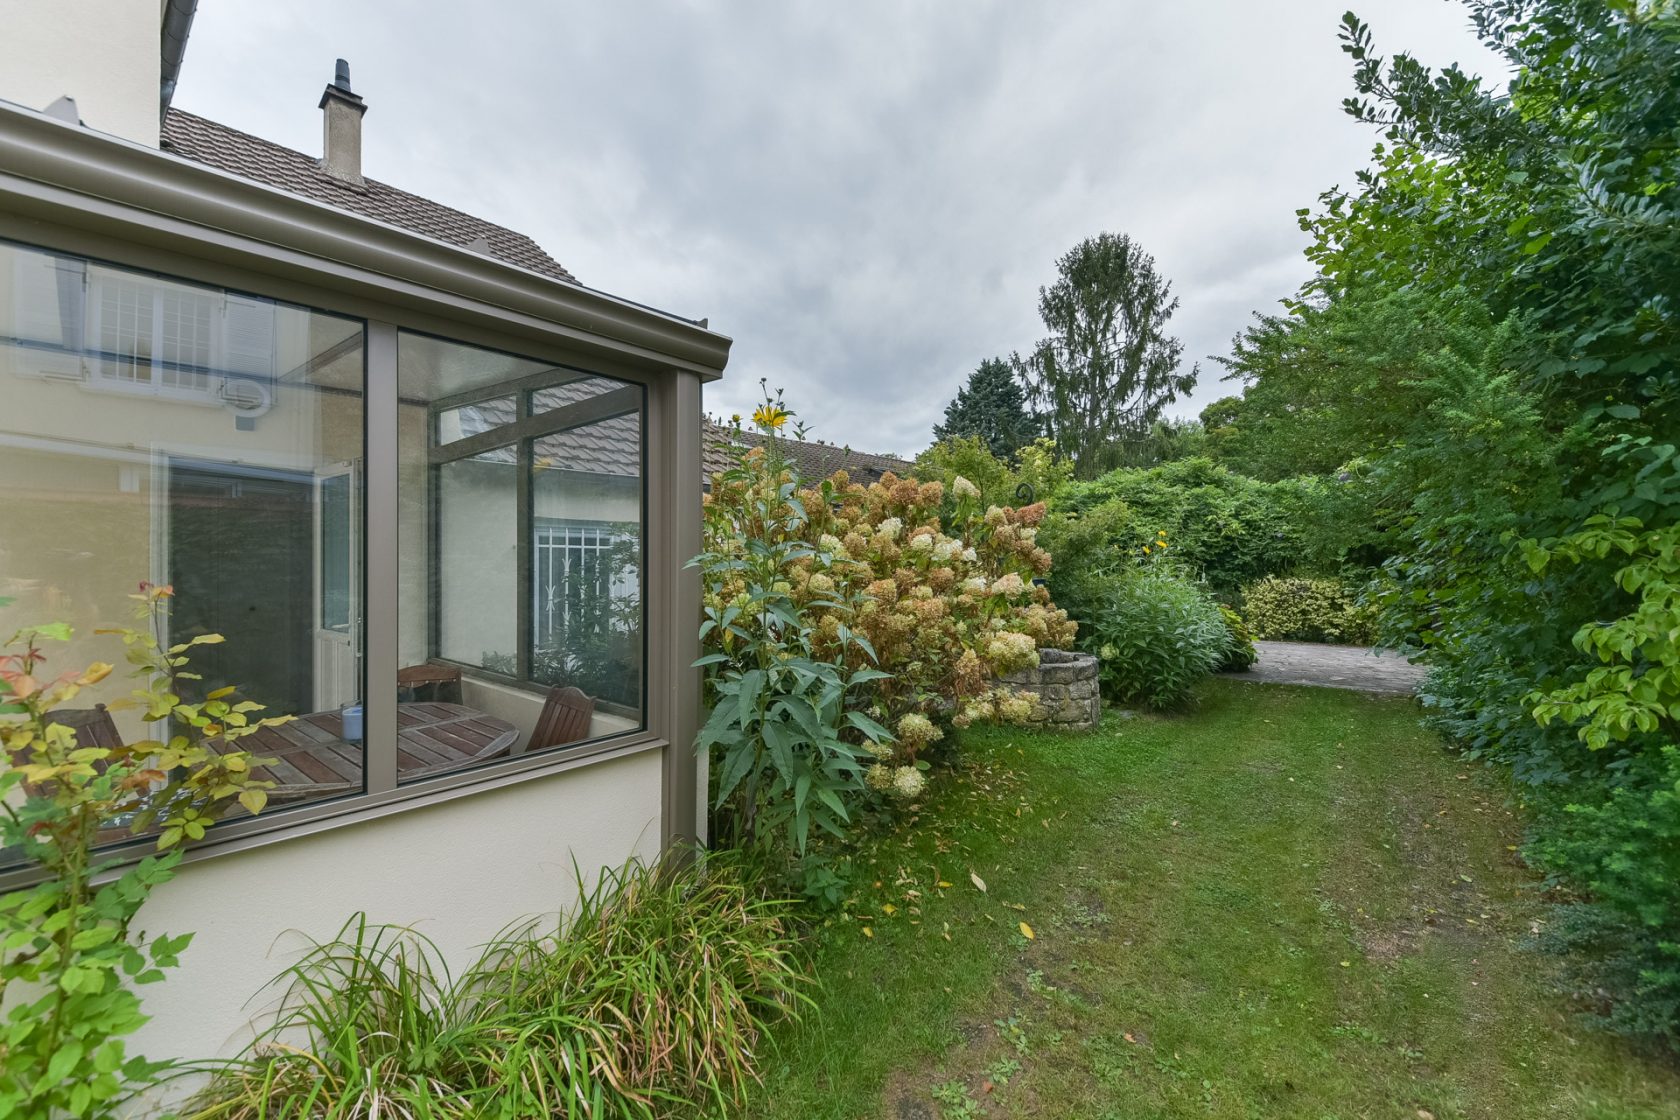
column 177, row 24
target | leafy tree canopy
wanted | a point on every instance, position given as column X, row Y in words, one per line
column 1107, row 368
column 992, row 406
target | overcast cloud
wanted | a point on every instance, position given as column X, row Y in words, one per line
column 865, row 196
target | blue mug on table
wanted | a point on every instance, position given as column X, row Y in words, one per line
column 352, row 717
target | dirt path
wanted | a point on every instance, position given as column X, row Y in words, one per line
column 1332, row 667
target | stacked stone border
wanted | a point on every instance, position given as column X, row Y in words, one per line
column 1066, row 684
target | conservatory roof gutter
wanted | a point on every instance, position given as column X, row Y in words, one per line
column 63, row 173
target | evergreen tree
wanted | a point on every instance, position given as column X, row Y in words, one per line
column 1108, row 367
column 992, row 406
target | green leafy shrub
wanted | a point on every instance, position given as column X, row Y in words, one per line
column 650, row 1000
column 1618, row 844
column 1240, row 654
column 68, row 957
column 1307, row 610
column 1228, row 529
column 1036, row 475
column 1156, row 633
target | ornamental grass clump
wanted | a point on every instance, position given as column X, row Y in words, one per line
column 649, row 1000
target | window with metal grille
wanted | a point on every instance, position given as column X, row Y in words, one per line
column 580, row 573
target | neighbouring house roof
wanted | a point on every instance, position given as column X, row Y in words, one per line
column 606, row 447
column 813, row 459
column 240, row 153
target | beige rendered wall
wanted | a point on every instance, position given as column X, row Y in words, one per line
column 459, row 872
column 103, row 53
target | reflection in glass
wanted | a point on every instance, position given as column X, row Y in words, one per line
column 162, row 431
column 520, row 542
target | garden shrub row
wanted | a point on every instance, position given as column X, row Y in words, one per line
column 1302, row 609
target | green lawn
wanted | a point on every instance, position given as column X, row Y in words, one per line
column 1289, row 903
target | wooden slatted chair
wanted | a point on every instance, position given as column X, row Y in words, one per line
column 94, row 727
column 429, row 683
column 565, row 718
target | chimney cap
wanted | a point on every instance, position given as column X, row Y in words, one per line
column 339, row 88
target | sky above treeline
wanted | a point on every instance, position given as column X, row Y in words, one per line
column 866, row 197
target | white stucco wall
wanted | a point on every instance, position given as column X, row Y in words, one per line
column 103, row 53
column 459, row 872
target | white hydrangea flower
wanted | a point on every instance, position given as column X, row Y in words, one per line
column 970, row 556
column 907, row 782
column 889, row 528
column 923, row 543
column 828, row 542
column 1009, row 584
column 975, row 584
column 963, row 488
column 945, row 549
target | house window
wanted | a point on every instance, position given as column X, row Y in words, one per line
column 249, row 508
column 522, row 507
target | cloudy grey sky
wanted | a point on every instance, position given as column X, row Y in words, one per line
column 865, row 196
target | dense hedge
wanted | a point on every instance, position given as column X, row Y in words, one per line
column 1295, row 609
column 1229, row 529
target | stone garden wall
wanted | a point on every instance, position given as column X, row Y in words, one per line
column 1066, row 684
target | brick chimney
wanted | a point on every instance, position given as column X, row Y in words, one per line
column 341, row 120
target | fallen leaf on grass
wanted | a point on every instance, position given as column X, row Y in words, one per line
column 867, row 932
column 979, row 883
column 1026, row 932
column 1130, row 1037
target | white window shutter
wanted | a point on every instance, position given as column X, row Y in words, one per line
column 248, row 336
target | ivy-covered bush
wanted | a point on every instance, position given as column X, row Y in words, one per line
column 1156, row 633
column 1307, row 610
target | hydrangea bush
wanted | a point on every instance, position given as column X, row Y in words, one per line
column 915, row 612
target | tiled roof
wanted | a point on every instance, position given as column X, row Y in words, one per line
column 240, row 153
column 812, row 459
column 611, row 447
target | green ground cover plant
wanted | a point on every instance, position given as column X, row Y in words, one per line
column 1290, row 902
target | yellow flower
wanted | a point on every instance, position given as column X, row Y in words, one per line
column 735, row 419
column 769, row 416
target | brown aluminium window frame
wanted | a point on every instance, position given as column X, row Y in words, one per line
column 68, row 189
column 528, row 426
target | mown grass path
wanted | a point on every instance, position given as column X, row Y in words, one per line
column 1289, row 903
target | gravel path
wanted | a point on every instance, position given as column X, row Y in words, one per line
column 1332, row 667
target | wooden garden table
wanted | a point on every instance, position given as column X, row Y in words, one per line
column 313, row 759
